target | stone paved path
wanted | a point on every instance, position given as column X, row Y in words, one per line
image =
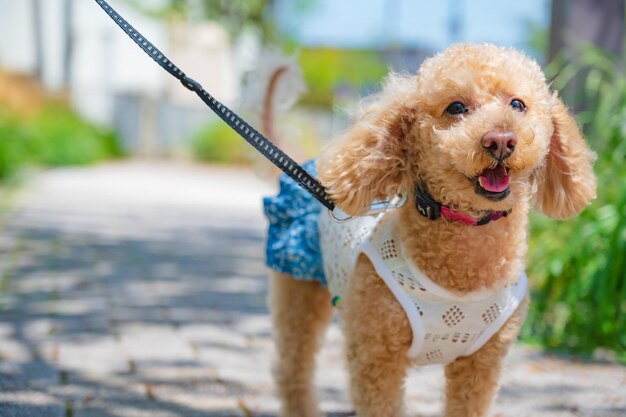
column 138, row 289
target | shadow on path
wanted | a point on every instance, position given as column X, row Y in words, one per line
column 113, row 309
column 127, row 320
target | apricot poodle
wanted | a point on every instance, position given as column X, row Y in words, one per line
column 475, row 140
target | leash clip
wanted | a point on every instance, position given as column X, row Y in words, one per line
column 377, row 207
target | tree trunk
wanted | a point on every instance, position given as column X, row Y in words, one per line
column 38, row 40
column 68, row 42
column 598, row 22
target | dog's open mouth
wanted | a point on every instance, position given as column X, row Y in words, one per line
column 494, row 184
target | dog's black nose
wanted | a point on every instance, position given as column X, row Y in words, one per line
column 499, row 144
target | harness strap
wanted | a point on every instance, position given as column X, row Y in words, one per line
column 247, row 132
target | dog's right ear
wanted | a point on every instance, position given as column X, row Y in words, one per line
column 566, row 183
column 371, row 160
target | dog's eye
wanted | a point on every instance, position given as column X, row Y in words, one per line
column 456, row 108
column 518, row 105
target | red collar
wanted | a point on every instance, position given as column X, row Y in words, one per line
column 431, row 209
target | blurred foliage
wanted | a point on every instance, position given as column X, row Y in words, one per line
column 218, row 142
column 53, row 135
column 234, row 15
column 330, row 73
column 579, row 300
column 538, row 40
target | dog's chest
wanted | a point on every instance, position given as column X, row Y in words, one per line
column 445, row 325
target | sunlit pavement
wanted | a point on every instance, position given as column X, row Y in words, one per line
column 138, row 289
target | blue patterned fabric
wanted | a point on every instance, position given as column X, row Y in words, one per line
column 293, row 238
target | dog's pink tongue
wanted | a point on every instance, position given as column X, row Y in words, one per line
column 495, row 180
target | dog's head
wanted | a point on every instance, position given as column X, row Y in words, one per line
column 478, row 128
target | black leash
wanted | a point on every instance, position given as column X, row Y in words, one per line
column 254, row 138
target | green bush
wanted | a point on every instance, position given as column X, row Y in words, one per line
column 63, row 138
column 326, row 70
column 579, row 300
column 217, row 142
column 53, row 136
column 13, row 145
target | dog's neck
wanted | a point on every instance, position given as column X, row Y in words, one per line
column 464, row 258
column 433, row 210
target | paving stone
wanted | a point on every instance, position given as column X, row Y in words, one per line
column 25, row 403
column 138, row 289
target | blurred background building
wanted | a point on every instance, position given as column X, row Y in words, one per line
column 72, row 48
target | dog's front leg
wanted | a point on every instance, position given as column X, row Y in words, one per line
column 472, row 382
column 378, row 336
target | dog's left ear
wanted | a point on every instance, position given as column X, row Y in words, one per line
column 371, row 160
column 566, row 183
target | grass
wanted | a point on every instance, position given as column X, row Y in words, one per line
column 579, row 266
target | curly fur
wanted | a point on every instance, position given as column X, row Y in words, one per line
column 406, row 137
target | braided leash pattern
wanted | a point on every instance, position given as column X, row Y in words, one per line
column 247, row 132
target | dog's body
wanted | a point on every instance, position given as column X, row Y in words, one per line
column 479, row 130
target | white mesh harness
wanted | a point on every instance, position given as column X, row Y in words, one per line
column 445, row 325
